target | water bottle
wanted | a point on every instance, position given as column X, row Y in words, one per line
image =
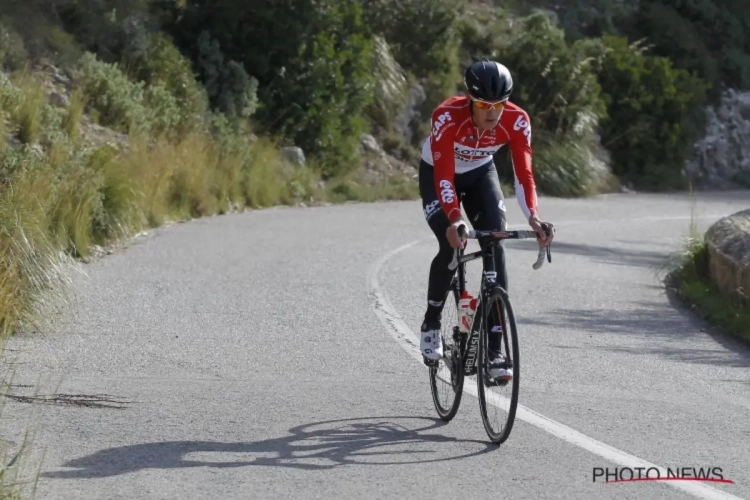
column 467, row 306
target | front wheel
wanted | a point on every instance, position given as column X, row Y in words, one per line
column 498, row 399
column 447, row 374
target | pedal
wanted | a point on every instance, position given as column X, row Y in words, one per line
column 497, row 382
column 494, row 382
column 429, row 362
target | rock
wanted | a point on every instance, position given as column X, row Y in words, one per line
column 410, row 114
column 58, row 99
column 370, row 144
column 294, row 155
column 720, row 158
column 728, row 242
column 62, row 80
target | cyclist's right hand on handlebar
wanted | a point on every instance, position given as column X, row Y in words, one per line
column 544, row 230
column 454, row 239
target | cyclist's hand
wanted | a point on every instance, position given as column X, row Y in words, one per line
column 451, row 233
column 536, row 225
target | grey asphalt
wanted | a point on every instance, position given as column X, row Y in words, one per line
column 252, row 363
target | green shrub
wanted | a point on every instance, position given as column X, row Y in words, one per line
column 651, row 120
column 424, row 38
column 127, row 106
column 311, row 60
column 556, row 83
column 570, row 168
column 161, row 64
column 12, row 49
column 117, row 99
column 110, row 29
column 390, row 94
column 705, row 37
column 229, row 87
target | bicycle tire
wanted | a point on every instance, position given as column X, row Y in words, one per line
column 510, row 336
column 447, row 414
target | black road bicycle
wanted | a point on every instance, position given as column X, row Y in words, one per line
column 464, row 353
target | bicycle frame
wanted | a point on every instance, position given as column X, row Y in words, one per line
column 468, row 344
column 468, row 348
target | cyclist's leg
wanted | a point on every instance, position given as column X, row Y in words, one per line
column 485, row 206
column 440, row 276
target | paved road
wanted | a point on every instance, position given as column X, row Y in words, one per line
column 259, row 361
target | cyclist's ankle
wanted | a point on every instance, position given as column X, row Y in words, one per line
column 430, row 323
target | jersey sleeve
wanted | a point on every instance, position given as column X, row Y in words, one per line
column 521, row 153
column 444, row 128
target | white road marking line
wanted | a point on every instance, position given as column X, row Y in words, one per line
column 408, row 340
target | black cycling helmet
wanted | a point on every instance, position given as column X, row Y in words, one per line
column 487, row 80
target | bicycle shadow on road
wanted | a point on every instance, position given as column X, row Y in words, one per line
column 317, row 446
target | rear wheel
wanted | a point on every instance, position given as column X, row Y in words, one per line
column 498, row 399
column 446, row 374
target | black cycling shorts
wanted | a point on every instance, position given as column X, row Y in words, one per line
column 481, row 196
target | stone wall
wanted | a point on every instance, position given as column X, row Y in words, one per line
column 729, row 255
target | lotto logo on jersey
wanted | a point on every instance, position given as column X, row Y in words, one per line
column 446, row 191
column 439, row 123
column 472, row 154
column 522, row 124
column 431, row 209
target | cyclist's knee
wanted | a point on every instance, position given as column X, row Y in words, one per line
column 446, row 252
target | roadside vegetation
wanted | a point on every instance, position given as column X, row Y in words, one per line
column 120, row 116
column 123, row 115
column 693, row 285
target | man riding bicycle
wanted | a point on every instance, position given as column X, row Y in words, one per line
column 458, row 158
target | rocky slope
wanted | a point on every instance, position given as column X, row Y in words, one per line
column 722, row 158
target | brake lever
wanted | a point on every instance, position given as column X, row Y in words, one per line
column 548, row 232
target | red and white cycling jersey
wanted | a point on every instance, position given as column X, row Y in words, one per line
column 456, row 146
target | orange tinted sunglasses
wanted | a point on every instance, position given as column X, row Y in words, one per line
column 489, row 105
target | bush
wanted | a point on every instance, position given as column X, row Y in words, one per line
column 127, row 106
column 704, row 37
column 556, row 83
column 160, row 63
column 229, row 87
column 12, row 49
column 311, row 60
column 424, row 38
column 651, row 119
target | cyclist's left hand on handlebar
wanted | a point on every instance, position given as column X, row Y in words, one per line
column 536, row 225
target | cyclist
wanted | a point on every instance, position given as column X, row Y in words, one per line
column 457, row 159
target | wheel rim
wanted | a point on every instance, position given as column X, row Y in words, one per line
column 498, row 402
column 446, row 384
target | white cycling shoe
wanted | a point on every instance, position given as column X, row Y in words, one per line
column 498, row 371
column 431, row 344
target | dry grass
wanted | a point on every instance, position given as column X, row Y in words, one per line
column 72, row 121
column 26, row 112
